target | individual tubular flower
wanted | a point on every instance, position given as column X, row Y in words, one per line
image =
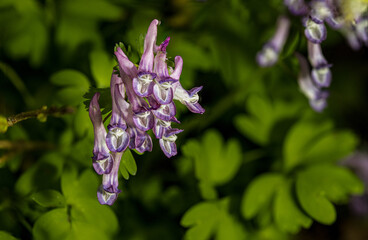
column 143, row 83
column 270, row 52
column 167, row 142
column 189, row 98
column 317, row 97
column 108, row 191
column 362, row 29
column 162, row 90
column 321, row 74
column 297, row 7
column 102, row 161
column 117, row 138
column 315, row 31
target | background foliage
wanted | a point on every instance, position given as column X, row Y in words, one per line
column 259, row 164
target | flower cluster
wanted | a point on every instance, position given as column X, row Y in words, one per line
column 352, row 21
column 142, row 99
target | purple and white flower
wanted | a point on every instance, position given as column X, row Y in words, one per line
column 142, row 99
column 321, row 74
column 269, row 54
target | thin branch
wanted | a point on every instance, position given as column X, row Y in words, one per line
column 17, row 82
column 22, row 145
column 40, row 114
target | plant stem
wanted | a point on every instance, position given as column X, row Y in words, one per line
column 40, row 114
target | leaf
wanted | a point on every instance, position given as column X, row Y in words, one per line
column 208, row 192
column 300, row 138
column 262, row 118
column 259, row 194
column 319, row 186
column 287, row 214
column 49, row 198
column 202, row 220
column 42, row 175
column 206, row 219
column 124, row 171
column 129, row 162
column 6, row 236
column 331, row 147
column 73, row 85
column 216, row 163
column 104, row 101
column 52, row 225
column 101, row 66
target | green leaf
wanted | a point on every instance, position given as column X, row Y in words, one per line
column 300, row 138
column 202, row 220
column 208, row 191
column 129, row 162
column 42, row 175
column 73, row 85
column 262, row 118
column 215, row 162
column 49, row 198
column 124, row 171
column 207, row 219
column 105, row 100
column 259, row 194
column 101, row 67
column 319, row 186
column 52, row 225
column 3, row 124
column 6, row 236
column 287, row 214
column 331, row 147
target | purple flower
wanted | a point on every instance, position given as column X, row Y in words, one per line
column 143, row 83
column 108, row 191
column 142, row 99
column 315, row 31
column 117, row 138
column 102, row 161
column 317, row 97
column 270, row 52
column 321, row 74
column 167, row 142
column 362, row 29
column 297, row 7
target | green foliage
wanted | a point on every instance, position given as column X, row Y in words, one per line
column 127, row 165
column 6, row 236
column 212, row 218
column 104, row 101
column 319, row 186
column 215, row 162
column 309, row 142
column 263, row 116
column 101, row 67
column 49, row 198
column 3, row 124
column 72, row 84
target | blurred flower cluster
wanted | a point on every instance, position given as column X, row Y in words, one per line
column 142, row 99
column 348, row 17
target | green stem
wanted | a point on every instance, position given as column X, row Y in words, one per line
column 17, row 82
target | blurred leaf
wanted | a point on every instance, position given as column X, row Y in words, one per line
column 43, row 174
column 287, row 214
column 208, row 192
column 49, row 198
column 215, row 162
column 97, row 9
column 319, row 186
column 73, row 85
column 259, row 193
column 101, row 67
column 263, row 115
column 300, row 138
column 52, row 225
column 81, row 121
column 332, row 147
column 211, row 218
column 124, row 171
column 6, row 236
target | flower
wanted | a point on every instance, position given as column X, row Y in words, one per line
column 142, row 99
column 321, row 74
column 270, row 52
column 317, row 97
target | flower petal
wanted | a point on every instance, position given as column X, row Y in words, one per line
column 165, row 112
column 168, row 148
column 144, row 121
column 314, row 31
column 117, row 139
